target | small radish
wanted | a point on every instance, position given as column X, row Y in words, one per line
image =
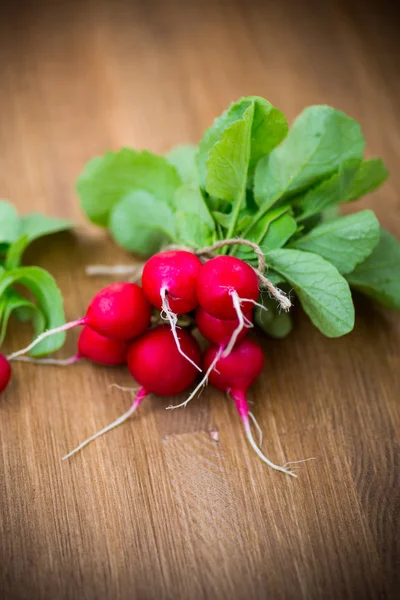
column 233, row 375
column 225, row 285
column 159, row 368
column 225, row 334
column 93, row 347
column 119, row 311
column 169, row 281
column 5, row 372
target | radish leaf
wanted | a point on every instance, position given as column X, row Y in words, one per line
column 345, row 242
column 49, row 300
column 320, row 140
column 107, row 179
column 142, row 224
column 324, row 294
column 379, row 275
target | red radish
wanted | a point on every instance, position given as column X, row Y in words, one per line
column 219, row 331
column 5, row 372
column 173, row 273
column 234, row 374
column 158, row 366
column 169, row 281
column 224, row 279
column 93, row 347
column 119, row 311
column 155, row 363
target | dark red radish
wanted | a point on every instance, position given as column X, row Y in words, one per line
column 5, row 372
column 224, row 279
column 172, row 273
column 119, row 311
column 234, row 374
column 219, row 331
column 169, row 281
column 159, row 368
column 157, row 365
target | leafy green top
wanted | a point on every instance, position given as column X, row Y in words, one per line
column 251, row 177
column 16, row 233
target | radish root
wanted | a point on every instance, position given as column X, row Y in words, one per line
column 93, row 270
column 44, row 335
column 257, row 450
column 60, row 362
column 139, row 398
column 260, row 433
column 167, row 315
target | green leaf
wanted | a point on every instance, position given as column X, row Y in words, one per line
column 320, row 140
column 9, row 222
column 15, row 251
column 353, row 180
column 228, row 161
column 35, row 226
column 44, row 288
column 14, row 302
column 322, row 291
column 142, row 224
column 345, row 242
column 222, row 219
column 189, row 200
column 194, row 223
column 183, row 158
column 268, row 129
column 191, row 231
column 228, row 164
column 278, row 233
column 379, row 275
column 107, row 179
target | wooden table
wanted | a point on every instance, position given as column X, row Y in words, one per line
column 159, row 509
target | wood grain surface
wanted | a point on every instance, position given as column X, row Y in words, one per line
column 160, row 509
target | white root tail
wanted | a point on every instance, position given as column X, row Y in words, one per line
column 93, row 270
column 167, row 315
column 44, row 335
column 112, row 425
column 259, row 430
column 202, row 383
column 242, row 322
column 59, row 362
column 260, row 454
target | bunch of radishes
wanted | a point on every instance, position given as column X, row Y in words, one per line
column 166, row 359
